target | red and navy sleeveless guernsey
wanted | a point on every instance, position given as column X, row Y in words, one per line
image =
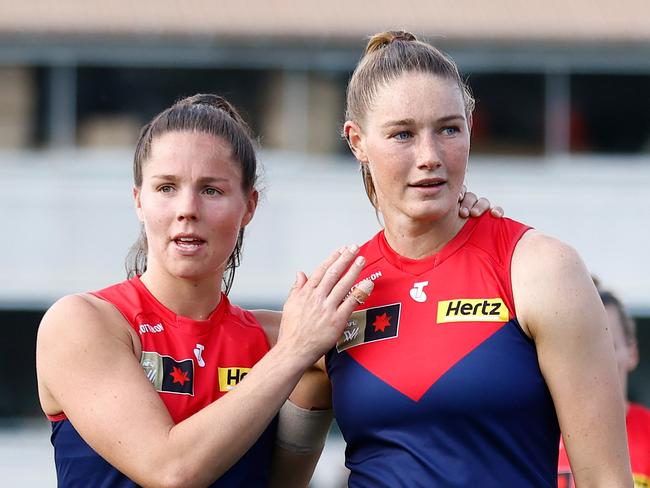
column 434, row 382
column 191, row 363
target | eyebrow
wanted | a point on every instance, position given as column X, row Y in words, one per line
column 202, row 180
column 402, row 122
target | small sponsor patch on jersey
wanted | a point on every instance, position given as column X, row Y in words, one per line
column 229, row 377
column 641, row 480
column 370, row 325
column 167, row 374
column 472, row 310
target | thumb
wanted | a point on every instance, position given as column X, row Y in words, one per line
column 300, row 281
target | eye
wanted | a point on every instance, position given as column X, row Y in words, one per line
column 450, row 131
column 212, row 192
column 165, row 188
column 402, row 135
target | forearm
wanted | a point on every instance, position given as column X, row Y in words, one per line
column 300, row 440
column 200, row 449
column 291, row 469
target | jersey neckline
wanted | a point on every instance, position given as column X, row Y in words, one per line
column 180, row 321
column 419, row 266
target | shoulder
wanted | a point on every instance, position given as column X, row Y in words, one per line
column 269, row 320
column 550, row 282
column 79, row 317
column 543, row 260
column 535, row 245
column 266, row 323
column 78, row 333
column 496, row 238
column 81, row 305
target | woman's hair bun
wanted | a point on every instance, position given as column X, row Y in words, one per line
column 212, row 100
column 383, row 39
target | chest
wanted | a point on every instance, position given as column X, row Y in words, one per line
column 191, row 369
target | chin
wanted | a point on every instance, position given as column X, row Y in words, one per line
column 192, row 272
column 430, row 213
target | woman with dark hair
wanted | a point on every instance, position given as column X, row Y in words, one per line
column 482, row 337
column 134, row 377
column 194, row 175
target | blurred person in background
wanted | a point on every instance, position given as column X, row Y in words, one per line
column 637, row 418
column 482, row 337
column 134, row 377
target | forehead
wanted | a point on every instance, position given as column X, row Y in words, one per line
column 182, row 149
column 415, row 94
column 179, row 142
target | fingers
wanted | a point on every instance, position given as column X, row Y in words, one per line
column 342, row 288
column 316, row 277
column 335, row 270
column 467, row 201
column 497, row 212
column 472, row 206
column 301, row 279
column 480, row 207
column 357, row 297
column 461, row 194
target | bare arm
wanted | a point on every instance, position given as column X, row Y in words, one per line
column 558, row 306
column 313, row 392
column 87, row 368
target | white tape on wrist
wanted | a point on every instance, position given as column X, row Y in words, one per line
column 302, row 431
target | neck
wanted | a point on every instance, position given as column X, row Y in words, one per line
column 419, row 239
column 195, row 299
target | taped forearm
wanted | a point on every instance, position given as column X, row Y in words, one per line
column 302, row 431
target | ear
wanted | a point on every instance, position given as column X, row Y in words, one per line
column 470, row 122
column 251, row 205
column 633, row 357
column 138, row 204
column 356, row 140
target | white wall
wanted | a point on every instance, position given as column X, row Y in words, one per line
column 68, row 219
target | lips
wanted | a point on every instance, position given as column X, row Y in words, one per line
column 188, row 242
column 428, row 183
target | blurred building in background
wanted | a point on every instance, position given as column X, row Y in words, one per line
column 561, row 134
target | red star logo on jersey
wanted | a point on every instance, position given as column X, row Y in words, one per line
column 179, row 375
column 381, row 322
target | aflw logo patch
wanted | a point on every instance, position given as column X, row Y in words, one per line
column 370, row 325
column 229, row 377
column 472, row 310
column 168, row 375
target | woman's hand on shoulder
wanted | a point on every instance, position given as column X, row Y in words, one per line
column 559, row 308
column 318, row 307
column 472, row 206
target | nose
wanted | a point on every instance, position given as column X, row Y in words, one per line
column 187, row 206
column 428, row 156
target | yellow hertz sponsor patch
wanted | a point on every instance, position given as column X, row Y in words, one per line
column 640, row 480
column 473, row 310
column 229, row 377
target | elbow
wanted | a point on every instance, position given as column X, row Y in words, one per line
column 176, row 475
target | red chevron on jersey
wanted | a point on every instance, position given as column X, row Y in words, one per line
column 405, row 363
column 440, row 323
column 456, row 397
